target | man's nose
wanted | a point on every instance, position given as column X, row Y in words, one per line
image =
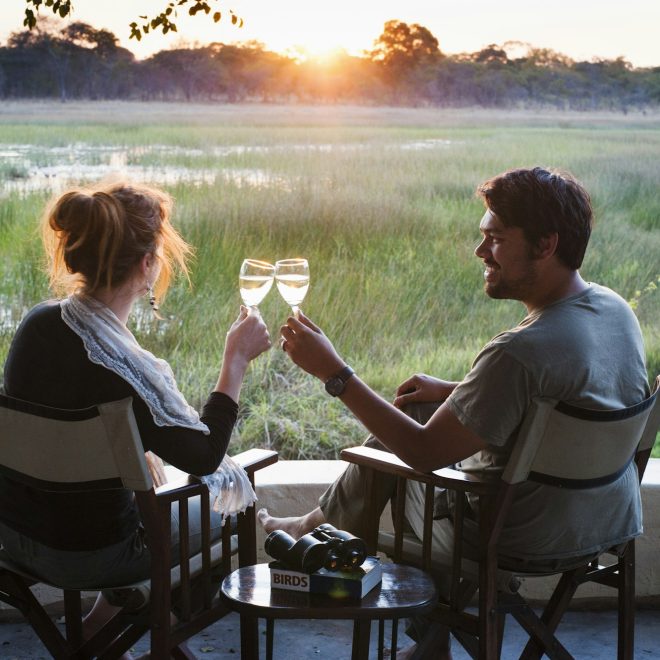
column 480, row 251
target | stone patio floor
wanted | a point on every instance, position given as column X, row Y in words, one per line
column 588, row 635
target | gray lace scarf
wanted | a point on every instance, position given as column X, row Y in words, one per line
column 111, row 344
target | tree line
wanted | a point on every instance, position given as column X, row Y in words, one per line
column 405, row 67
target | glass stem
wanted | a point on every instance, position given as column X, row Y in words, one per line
column 295, row 310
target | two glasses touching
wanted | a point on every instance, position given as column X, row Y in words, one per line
column 256, row 279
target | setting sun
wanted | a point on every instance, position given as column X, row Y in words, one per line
column 324, row 55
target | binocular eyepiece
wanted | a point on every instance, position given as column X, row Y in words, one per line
column 324, row 547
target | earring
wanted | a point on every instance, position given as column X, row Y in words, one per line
column 152, row 298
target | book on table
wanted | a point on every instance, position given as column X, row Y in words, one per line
column 356, row 583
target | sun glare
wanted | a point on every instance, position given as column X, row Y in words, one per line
column 316, row 53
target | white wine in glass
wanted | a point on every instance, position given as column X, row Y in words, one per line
column 292, row 277
column 255, row 280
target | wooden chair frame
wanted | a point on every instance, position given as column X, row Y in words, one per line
column 192, row 575
column 481, row 634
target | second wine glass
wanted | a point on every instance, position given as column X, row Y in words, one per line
column 292, row 277
column 255, row 280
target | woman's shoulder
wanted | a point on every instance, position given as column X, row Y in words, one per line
column 43, row 317
column 44, row 310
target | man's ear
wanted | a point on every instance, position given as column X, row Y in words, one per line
column 546, row 246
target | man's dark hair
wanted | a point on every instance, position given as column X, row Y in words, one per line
column 543, row 202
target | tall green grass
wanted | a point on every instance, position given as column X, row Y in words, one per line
column 387, row 225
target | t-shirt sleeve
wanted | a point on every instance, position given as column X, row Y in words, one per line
column 492, row 399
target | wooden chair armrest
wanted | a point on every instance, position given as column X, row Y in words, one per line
column 449, row 478
column 189, row 485
column 186, row 487
column 256, row 459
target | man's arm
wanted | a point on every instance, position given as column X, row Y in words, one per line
column 443, row 440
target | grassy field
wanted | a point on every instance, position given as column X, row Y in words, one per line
column 381, row 202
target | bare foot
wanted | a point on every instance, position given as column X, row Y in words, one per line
column 295, row 526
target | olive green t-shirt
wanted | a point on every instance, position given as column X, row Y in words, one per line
column 586, row 350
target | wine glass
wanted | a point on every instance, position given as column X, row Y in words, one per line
column 255, row 280
column 292, row 277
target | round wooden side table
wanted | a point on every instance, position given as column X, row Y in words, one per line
column 404, row 591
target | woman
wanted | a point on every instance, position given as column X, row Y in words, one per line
column 108, row 246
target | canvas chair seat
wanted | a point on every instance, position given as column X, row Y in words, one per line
column 135, row 596
column 412, row 552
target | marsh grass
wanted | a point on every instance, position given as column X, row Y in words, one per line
column 382, row 204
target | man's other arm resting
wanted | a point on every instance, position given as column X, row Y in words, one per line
column 441, row 442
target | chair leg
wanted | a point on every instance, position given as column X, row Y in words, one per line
column 488, row 628
column 113, row 641
column 437, row 637
column 540, row 634
column 161, row 595
column 626, row 597
column 20, row 597
column 73, row 618
column 554, row 610
column 501, row 621
column 182, row 653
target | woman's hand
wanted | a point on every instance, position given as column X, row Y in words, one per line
column 421, row 388
column 309, row 348
column 247, row 337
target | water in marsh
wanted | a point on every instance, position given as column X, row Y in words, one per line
column 26, row 168
column 32, row 169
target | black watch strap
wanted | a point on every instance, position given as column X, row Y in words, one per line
column 336, row 384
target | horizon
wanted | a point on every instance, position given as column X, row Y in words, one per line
column 304, row 29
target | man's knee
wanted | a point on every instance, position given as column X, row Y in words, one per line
column 373, row 442
column 421, row 411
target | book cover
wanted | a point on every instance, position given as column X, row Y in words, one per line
column 337, row 584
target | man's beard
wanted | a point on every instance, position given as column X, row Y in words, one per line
column 518, row 289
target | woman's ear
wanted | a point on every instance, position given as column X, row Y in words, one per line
column 147, row 264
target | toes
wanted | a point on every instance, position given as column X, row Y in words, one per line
column 262, row 516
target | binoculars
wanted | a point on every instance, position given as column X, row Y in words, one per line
column 324, row 547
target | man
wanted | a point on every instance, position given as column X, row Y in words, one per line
column 579, row 343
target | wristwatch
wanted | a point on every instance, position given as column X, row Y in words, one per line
column 336, row 384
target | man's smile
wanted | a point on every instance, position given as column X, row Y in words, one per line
column 490, row 272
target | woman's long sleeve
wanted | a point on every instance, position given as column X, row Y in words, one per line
column 187, row 449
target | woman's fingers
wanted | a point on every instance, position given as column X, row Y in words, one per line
column 248, row 336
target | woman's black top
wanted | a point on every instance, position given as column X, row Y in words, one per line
column 47, row 363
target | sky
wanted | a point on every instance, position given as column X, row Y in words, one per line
column 581, row 29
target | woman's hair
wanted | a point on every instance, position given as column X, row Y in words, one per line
column 96, row 236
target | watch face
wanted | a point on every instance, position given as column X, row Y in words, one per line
column 337, row 383
column 335, row 386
